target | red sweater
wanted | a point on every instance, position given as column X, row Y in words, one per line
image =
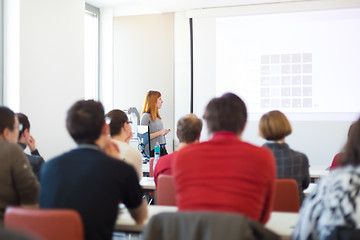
column 226, row 174
column 163, row 166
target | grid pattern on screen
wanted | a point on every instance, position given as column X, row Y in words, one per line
column 286, row 81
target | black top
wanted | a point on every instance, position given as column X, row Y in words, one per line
column 89, row 181
column 36, row 161
column 291, row 164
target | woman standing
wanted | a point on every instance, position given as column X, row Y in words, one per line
column 150, row 116
column 274, row 127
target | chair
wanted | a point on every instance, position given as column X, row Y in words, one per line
column 46, row 224
column 286, row 196
column 165, row 191
column 194, row 225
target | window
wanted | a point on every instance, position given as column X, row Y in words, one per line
column 91, row 58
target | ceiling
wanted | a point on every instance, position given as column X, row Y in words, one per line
column 161, row 6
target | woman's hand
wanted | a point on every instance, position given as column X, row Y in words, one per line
column 112, row 150
column 31, row 144
column 164, row 131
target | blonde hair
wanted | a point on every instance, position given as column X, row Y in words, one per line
column 150, row 104
column 274, row 126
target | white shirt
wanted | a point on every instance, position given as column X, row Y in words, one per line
column 131, row 156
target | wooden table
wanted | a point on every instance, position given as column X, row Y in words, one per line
column 281, row 223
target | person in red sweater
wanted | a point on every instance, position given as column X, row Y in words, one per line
column 188, row 131
column 225, row 174
column 338, row 157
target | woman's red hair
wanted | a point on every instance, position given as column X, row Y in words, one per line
column 150, row 104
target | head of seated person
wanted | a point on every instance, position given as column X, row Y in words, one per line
column 226, row 113
column 9, row 125
column 188, row 129
column 120, row 126
column 274, row 126
column 86, row 124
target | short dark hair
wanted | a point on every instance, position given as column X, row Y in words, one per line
column 85, row 120
column 118, row 119
column 226, row 113
column 24, row 121
column 188, row 128
column 7, row 119
column 352, row 146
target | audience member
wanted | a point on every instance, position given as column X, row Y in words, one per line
column 337, row 158
column 121, row 133
column 334, row 202
column 88, row 179
column 188, row 131
column 18, row 184
column 225, row 173
column 274, row 127
column 25, row 139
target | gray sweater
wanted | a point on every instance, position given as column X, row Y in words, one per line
column 154, row 126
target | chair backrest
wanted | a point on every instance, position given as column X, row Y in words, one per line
column 151, row 167
column 165, row 190
column 204, row 226
column 286, row 196
column 46, row 224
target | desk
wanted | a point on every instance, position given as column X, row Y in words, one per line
column 145, row 168
column 280, row 222
column 125, row 223
column 309, row 189
column 147, row 183
column 317, row 172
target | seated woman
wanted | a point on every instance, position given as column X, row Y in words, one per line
column 337, row 158
column 333, row 203
column 274, row 127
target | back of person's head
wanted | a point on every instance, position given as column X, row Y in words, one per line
column 9, row 125
column 117, row 120
column 274, row 126
column 226, row 113
column 85, row 120
column 189, row 128
column 352, row 147
column 150, row 104
column 7, row 119
column 24, row 121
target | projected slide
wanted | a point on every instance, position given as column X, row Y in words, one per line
column 294, row 62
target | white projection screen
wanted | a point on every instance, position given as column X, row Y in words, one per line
column 305, row 64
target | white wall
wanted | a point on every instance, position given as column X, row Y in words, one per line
column 182, row 83
column 106, row 58
column 143, row 61
column 51, row 68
